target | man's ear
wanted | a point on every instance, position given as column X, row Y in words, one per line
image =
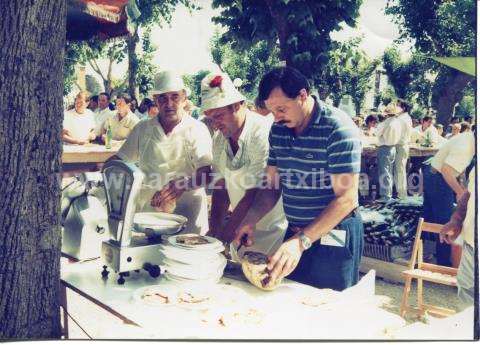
column 303, row 94
column 236, row 106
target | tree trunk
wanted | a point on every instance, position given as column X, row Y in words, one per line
column 447, row 92
column 31, row 112
column 282, row 29
column 132, row 42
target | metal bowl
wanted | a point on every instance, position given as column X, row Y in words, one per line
column 158, row 223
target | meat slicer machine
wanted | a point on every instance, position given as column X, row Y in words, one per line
column 126, row 250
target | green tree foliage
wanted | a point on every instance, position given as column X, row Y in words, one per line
column 249, row 65
column 146, row 69
column 466, row 107
column 301, row 28
column 410, row 77
column 193, row 83
column 153, row 12
column 350, row 72
column 92, row 85
column 439, row 28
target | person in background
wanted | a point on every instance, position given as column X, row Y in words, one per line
column 141, row 111
column 462, row 222
column 389, row 134
column 133, row 105
column 122, row 123
column 103, row 112
column 415, row 122
column 78, row 123
column 465, row 127
column 381, row 118
column 313, row 164
column 152, row 110
column 441, row 188
column 192, row 109
column 402, row 148
column 439, row 128
column 371, row 123
column 468, row 119
column 260, row 108
column 425, row 133
column 455, row 130
column 93, row 104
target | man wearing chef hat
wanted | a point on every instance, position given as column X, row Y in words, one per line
column 240, row 153
column 175, row 152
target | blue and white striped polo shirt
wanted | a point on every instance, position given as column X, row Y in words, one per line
column 330, row 144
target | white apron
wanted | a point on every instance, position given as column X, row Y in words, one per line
column 270, row 230
column 163, row 160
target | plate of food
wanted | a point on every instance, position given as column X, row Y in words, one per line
column 156, row 295
column 196, row 242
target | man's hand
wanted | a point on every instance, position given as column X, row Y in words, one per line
column 174, row 189
column 244, row 235
column 450, row 232
column 91, row 136
column 286, row 258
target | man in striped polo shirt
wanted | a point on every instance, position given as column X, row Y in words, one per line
column 314, row 163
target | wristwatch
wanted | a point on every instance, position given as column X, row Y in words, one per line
column 305, row 241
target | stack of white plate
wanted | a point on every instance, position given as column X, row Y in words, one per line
column 193, row 263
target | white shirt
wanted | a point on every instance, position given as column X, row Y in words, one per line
column 100, row 117
column 457, row 152
column 79, row 125
column 389, row 132
column 252, row 151
column 406, row 128
column 121, row 128
column 190, row 139
column 419, row 136
column 468, row 227
column 141, row 116
column 244, row 170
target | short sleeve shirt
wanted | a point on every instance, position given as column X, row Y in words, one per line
column 252, row 153
column 79, row 125
column 457, row 152
column 331, row 144
column 191, row 134
column 121, row 128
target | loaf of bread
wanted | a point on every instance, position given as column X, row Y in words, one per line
column 254, row 267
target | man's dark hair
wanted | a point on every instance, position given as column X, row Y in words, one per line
column 371, row 118
column 259, row 104
column 126, row 97
column 465, row 126
column 94, row 99
column 404, row 105
column 104, row 94
column 150, row 104
column 426, row 119
column 381, row 118
column 467, row 119
column 288, row 79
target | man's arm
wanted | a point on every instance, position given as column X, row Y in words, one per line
column 449, row 174
column 345, row 187
column 286, row 258
column 452, row 229
column 67, row 137
column 220, row 204
column 175, row 188
column 265, row 200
